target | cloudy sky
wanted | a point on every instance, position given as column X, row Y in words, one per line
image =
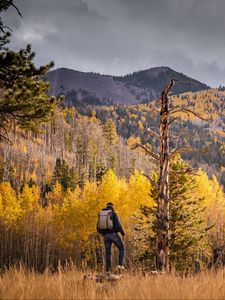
column 121, row 36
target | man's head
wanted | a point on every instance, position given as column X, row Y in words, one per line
column 110, row 204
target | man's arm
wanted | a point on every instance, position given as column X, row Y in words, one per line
column 118, row 225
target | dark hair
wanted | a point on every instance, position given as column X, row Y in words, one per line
column 109, row 204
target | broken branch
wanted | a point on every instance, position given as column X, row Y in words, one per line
column 152, row 154
column 153, row 182
column 187, row 111
column 152, row 133
column 186, row 150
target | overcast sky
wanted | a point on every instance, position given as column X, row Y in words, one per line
column 121, row 36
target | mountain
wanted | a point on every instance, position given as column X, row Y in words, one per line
column 93, row 88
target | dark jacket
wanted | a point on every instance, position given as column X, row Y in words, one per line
column 117, row 227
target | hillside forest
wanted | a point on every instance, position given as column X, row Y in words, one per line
column 60, row 165
column 54, row 182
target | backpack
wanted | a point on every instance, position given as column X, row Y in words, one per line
column 105, row 220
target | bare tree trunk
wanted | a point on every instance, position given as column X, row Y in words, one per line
column 162, row 224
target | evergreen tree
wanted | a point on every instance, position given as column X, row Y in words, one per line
column 187, row 222
column 64, row 175
column 4, row 30
column 23, row 96
column 109, row 132
column 188, row 235
column 100, row 171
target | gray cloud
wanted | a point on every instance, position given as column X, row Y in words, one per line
column 121, row 36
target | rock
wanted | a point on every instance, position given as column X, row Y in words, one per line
column 103, row 277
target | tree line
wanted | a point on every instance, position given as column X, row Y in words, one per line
column 63, row 228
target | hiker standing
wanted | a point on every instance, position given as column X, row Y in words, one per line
column 109, row 226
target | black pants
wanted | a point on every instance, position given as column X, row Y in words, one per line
column 114, row 238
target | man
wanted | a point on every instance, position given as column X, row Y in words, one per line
column 109, row 226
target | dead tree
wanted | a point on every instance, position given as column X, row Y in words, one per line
column 162, row 160
column 162, row 224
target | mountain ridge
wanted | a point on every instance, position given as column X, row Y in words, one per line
column 137, row 87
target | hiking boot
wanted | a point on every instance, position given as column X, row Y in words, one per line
column 121, row 268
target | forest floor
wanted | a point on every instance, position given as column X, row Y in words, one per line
column 70, row 284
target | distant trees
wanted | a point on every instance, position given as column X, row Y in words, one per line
column 77, row 144
column 109, row 132
column 194, row 133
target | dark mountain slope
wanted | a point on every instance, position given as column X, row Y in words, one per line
column 92, row 88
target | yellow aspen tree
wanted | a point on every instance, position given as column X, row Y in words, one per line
column 68, row 218
column 109, row 190
column 56, row 196
column 90, row 205
column 138, row 189
column 29, row 198
column 11, row 210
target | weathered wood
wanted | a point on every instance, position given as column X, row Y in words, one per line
column 188, row 111
column 155, row 156
column 162, row 222
column 186, row 150
column 162, row 159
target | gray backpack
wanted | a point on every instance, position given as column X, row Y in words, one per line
column 105, row 220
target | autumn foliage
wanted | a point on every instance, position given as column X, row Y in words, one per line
column 65, row 228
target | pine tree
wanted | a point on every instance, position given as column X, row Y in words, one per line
column 109, row 132
column 64, row 175
column 100, row 171
column 187, row 222
column 23, row 96
column 188, row 235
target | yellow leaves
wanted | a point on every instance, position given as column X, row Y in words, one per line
column 204, row 102
column 90, row 197
column 140, row 125
column 56, row 196
column 10, row 210
column 68, row 217
column 48, row 174
column 110, row 188
column 33, row 176
column 209, row 189
column 76, row 218
column 1, row 204
column 23, row 149
column 139, row 190
column 133, row 116
column 132, row 141
column 214, row 201
column 71, row 216
column 29, row 198
column 93, row 118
